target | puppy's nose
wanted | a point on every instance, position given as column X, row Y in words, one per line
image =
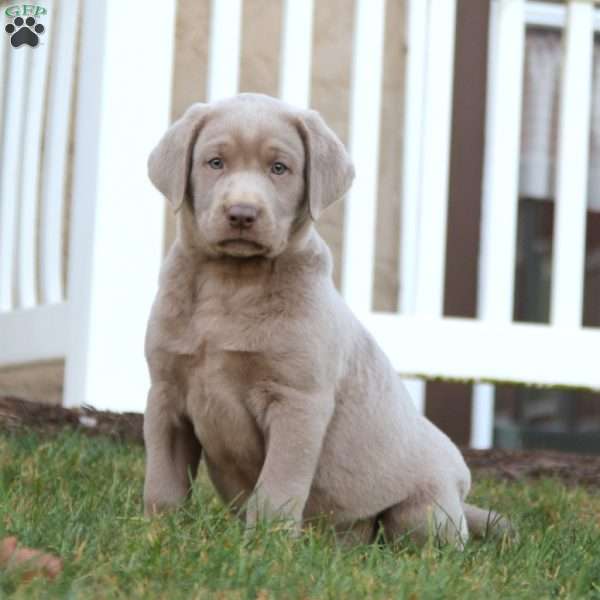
column 242, row 215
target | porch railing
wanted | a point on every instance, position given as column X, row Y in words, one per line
column 116, row 221
column 111, row 231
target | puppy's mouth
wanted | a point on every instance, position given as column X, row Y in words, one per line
column 242, row 247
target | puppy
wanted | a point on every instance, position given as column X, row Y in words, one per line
column 257, row 364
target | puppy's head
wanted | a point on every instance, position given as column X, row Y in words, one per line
column 250, row 170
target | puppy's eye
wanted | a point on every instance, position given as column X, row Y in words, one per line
column 216, row 163
column 278, row 168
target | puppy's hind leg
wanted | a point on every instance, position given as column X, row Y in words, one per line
column 424, row 515
column 172, row 454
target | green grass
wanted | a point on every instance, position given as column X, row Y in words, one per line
column 81, row 499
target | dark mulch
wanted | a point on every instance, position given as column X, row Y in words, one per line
column 573, row 469
column 16, row 414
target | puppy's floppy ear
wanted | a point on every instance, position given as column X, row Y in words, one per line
column 328, row 170
column 170, row 162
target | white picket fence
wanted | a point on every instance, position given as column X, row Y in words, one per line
column 117, row 219
column 492, row 347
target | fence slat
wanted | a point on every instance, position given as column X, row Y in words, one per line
column 296, row 52
column 4, row 61
column 437, row 121
column 54, row 168
column 5, row 218
column 11, row 168
column 500, row 188
column 482, row 416
column 425, row 195
column 361, row 203
column 414, row 100
column 30, row 175
column 224, row 51
column 566, row 303
column 117, row 223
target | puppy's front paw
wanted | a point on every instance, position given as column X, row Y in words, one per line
column 287, row 525
column 153, row 509
column 260, row 510
column 159, row 504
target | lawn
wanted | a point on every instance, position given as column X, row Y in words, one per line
column 80, row 498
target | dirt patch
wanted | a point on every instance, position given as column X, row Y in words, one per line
column 16, row 414
column 572, row 469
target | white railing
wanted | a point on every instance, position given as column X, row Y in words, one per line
column 116, row 218
column 492, row 347
column 33, row 313
column 508, row 21
column 500, row 190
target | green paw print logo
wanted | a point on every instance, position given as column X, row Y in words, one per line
column 24, row 28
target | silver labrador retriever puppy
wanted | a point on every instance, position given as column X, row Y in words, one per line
column 257, row 364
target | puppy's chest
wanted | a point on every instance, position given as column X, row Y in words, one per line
column 227, row 379
column 227, row 413
column 231, row 320
column 229, row 341
column 226, row 349
column 235, row 352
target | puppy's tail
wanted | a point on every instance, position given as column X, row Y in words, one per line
column 483, row 523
